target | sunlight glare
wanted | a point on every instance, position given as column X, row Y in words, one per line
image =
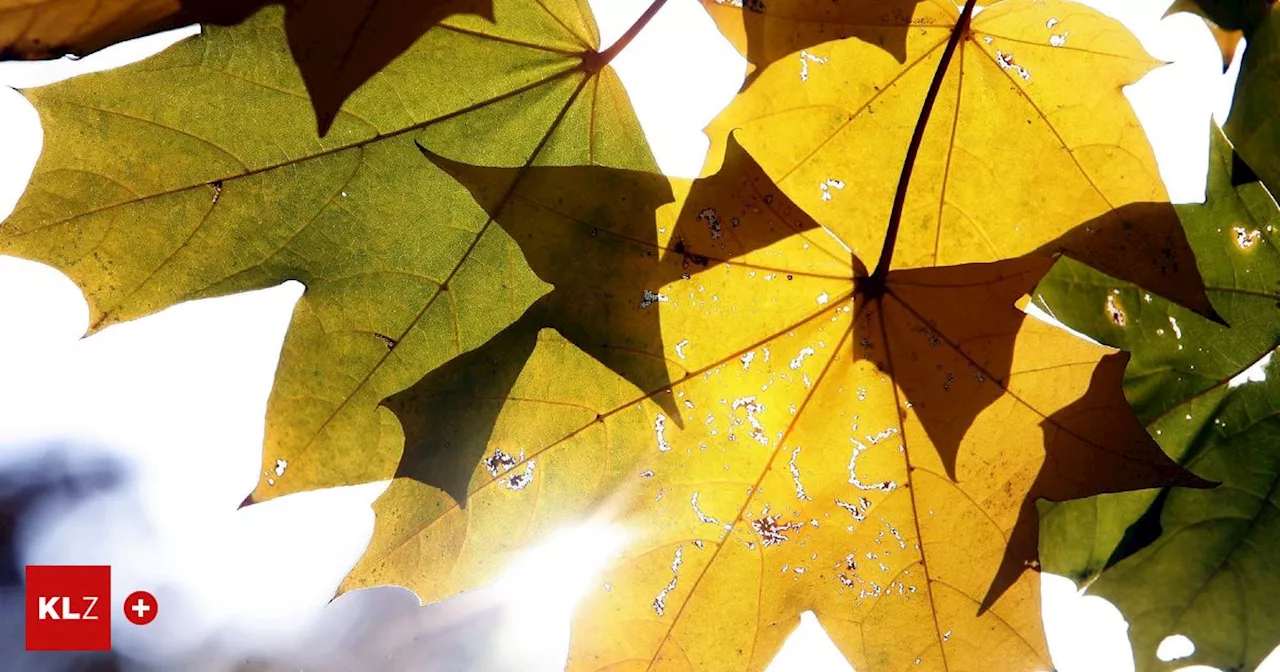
column 544, row 584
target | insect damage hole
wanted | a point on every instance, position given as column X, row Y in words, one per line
column 521, row 480
column 827, row 185
column 660, row 600
column 703, row 517
column 805, row 59
column 772, row 530
column 500, row 462
column 712, row 219
column 795, row 476
column 651, row 297
column 1115, row 312
column 1006, row 62
column 1246, row 239
column 660, row 430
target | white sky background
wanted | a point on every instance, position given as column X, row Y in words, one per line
column 179, row 398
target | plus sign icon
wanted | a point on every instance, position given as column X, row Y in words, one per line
column 140, row 607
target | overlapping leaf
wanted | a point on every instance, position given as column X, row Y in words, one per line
column 1033, row 99
column 48, row 28
column 1254, row 125
column 872, row 459
column 1205, row 576
column 777, row 430
column 337, row 44
column 146, row 198
column 1242, row 15
column 765, row 32
column 1228, row 20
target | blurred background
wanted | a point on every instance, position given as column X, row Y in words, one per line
column 135, row 447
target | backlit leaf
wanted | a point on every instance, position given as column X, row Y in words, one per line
column 1033, row 99
column 557, row 332
column 147, row 198
column 338, row 44
column 50, row 28
column 874, row 460
column 1254, row 124
column 766, row 31
column 1201, row 577
column 1235, row 15
column 1227, row 20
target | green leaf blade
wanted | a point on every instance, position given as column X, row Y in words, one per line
column 147, row 198
column 1182, row 381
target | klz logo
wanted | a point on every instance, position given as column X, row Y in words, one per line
column 68, row 608
column 49, row 609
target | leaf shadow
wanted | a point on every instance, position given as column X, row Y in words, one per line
column 607, row 267
column 337, row 44
column 765, row 32
column 1147, row 231
column 950, row 340
column 949, row 333
column 1072, row 473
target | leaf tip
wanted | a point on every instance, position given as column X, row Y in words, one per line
column 248, row 501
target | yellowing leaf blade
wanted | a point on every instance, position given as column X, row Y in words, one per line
column 875, row 461
column 146, row 200
column 1032, row 97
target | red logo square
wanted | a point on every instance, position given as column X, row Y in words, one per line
column 68, row 608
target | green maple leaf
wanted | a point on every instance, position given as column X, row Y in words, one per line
column 338, row 44
column 147, row 198
column 1178, row 561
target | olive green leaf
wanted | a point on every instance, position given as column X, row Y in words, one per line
column 1199, row 574
column 147, row 198
column 338, row 44
column 1254, row 124
column 1211, row 575
column 1228, row 20
column 1242, row 15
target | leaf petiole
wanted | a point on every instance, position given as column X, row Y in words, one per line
column 594, row 61
column 873, row 286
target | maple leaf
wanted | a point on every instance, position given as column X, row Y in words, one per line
column 1172, row 560
column 602, row 303
column 146, row 198
column 868, row 452
column 1228, row 21
column 1033, row 99
column 765, row 32
column 1252, row 126
column 881, row 437
column 337, row 44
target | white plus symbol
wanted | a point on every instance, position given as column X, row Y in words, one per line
column 141, row 608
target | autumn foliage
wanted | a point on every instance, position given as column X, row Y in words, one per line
column 806, row 381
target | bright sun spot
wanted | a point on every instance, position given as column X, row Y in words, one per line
column 543, row 585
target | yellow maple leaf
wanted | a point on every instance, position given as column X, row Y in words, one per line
column 1029, row 134
column 871, row 455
